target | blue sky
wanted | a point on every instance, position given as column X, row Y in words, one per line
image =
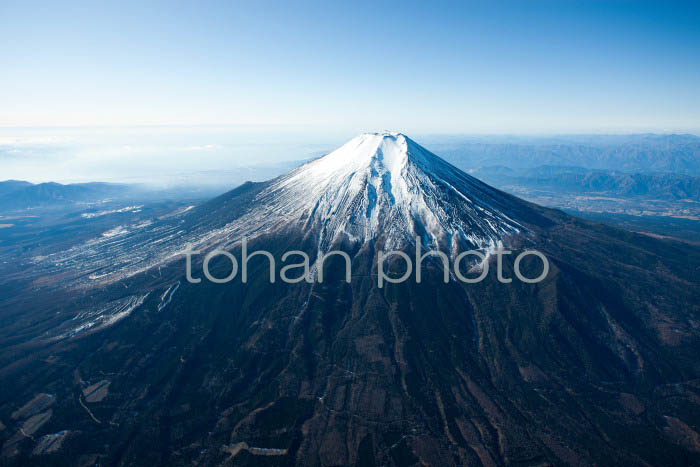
column 486, row 67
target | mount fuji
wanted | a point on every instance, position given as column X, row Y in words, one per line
column 386, row 184
column 116, row 359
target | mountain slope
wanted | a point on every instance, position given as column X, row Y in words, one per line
column 594, row 365
column 8, row 186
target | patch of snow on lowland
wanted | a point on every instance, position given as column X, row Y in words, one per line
column 105, row 315
column 90, row 215
column 168, row 296
column 118, row 230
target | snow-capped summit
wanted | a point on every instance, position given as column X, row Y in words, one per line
column 385, row 184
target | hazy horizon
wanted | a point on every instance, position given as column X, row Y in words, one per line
column 167, row 156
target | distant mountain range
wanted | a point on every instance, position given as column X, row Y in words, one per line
column 629, row 153
column 8, row 186
column 16, row 194
column 582, row 180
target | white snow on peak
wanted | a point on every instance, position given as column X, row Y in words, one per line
column 383, row 184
